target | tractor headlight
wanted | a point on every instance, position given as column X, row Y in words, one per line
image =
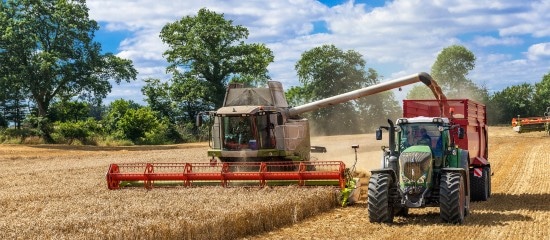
column 405, row 179
column 421, row 180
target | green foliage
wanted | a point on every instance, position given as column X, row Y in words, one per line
column 297, row 95
column 158, row 97
column 138, row 124
column 327, row 71
column 511, row 102
column 541, row 100
column 450, row 70
column 210, row 49
column 116, row 110
column 3, row 122
column 69, row 111
column 18, row 136
column 420, row 91
column 49, row 52
column 187, row 92
column 81, row 130
column 451, row 67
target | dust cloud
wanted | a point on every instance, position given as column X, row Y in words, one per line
column 339, row 148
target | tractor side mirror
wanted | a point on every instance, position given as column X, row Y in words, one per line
column 461, row 133
column 379, row 134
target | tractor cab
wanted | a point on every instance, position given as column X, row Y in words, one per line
column 424, row 131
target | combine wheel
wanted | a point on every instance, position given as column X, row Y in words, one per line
column 379, row 205
column 452, row 198
column 480, row 186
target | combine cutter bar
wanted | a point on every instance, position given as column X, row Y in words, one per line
column 320, row 173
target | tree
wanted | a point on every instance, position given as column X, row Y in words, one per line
column 377, row 109
column 209, row 49
column 452, row 65
column 541, row 100
column 116, row 110
column 420, row 91
column 47, row 47
column 136, row 123
column 297, row 95
column 158, row 98
column 66, row 111
column 511, row 102
column 327, row 71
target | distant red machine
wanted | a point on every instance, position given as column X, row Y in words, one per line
column 532, row 124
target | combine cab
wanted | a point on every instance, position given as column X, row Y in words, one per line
column 532, row 124
column 434, row 158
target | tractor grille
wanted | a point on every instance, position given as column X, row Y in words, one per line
column 414, row 164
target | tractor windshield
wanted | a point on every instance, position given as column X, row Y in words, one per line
column 419, row 134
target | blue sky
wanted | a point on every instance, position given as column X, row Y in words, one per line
column 510, row 38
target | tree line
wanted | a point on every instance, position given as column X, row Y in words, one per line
column 54, row 77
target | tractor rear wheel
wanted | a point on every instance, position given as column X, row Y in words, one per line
column 379, row 205
column 452, row 198
column 480, row 186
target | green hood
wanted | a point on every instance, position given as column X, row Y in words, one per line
column 418, row 148
column 415, row 168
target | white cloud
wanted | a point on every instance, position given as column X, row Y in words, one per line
column 539, row 50
column 485, row 41
column 406, row 34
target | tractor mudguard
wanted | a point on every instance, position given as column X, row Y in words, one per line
column 389, row 171
column 465, row 174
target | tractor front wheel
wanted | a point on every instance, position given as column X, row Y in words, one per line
column 452, row 198
column 379, row 205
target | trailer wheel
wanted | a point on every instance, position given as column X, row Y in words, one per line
column 452, row 198
column 379, row 205
column 480, row 186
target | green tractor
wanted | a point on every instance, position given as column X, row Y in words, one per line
column 427, row 162
column 415, row 174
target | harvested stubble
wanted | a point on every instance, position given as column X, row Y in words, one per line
column 52, row 194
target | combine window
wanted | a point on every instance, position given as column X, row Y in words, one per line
column 246, row 132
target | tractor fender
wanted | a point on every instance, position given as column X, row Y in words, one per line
column 464, row 160
column 389, row 171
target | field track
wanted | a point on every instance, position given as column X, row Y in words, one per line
column 60, row 192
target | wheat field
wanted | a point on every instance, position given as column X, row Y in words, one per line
column 59, row 192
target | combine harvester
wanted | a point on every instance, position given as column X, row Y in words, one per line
column 532, row 124
column 258, row 140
